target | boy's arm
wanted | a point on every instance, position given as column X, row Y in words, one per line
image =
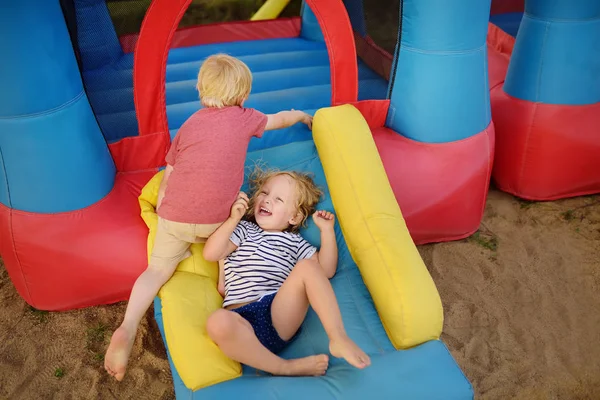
column 283, row 119
column 163, row 185
column 328, row 253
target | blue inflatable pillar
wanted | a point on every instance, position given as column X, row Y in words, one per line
column 555, row 58
column 439, row 84
column 52, row 153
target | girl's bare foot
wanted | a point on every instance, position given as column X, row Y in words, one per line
column 117, row 355
column 307, row 366
column 345, row 348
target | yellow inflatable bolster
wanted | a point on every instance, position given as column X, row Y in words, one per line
column 188, row 298
column 403, row 291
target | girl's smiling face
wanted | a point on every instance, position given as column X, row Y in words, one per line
column 275, row 207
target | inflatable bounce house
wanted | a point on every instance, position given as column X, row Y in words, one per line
column 403, row 145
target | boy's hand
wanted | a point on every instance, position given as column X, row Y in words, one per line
column 307, row 119
column 239, row 207
column 324, row 219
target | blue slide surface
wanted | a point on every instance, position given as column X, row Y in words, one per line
column 425, row 372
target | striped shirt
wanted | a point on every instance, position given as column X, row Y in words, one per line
column 261, row 262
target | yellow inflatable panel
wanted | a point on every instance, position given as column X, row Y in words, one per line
column 404, row 293
column 188, row 298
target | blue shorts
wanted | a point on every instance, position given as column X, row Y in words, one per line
column 258, row 313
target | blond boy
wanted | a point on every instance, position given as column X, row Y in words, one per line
column 202, row 179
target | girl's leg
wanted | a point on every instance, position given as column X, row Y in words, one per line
column 308, row 284
column 235, row 337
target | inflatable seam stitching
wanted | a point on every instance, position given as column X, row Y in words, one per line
column 563, row 20
column 443, row 52
column 9, row 205
column 486, row 89
column 47, row 112
column 488, row 168
column 524, row 157
column 541, row 66
column 12, row 235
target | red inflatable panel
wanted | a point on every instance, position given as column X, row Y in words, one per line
column 81, row 258
column 507, row 6
column 546, row 151
column 226, row 32
column 441, row 188
column 373, row 111
column 136, row 153
column 378, row 59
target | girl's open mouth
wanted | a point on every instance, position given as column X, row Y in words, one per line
column 264, row 212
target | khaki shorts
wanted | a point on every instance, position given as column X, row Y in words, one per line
column 173, row 240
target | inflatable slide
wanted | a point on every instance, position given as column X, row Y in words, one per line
column 387, row 297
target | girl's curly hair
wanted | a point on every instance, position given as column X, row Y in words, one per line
column 308, row 192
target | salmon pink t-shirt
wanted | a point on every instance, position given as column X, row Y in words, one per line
column 208, row 155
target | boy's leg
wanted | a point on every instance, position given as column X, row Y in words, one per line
column 167, row 252
column 306, row 284
column 235, row 337
column 201, row 232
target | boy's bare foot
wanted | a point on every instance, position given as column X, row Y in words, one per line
column 307, row 366
column 345, row 348
column 117, row 355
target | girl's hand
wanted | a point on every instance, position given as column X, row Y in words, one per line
column 239, row 207
column 324, row 219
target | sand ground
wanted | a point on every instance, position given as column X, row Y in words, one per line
column 521, row 301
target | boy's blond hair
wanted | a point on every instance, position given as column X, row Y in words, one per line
column 223, row 81
column 308, row 193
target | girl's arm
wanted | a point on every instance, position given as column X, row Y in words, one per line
column 218, row 246
column 163, row 185
column 328, row 253
column 221, row 283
